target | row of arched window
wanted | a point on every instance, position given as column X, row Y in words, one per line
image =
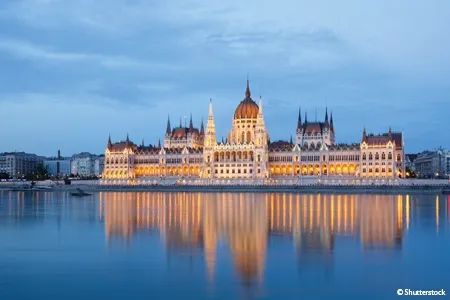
column 383, row 156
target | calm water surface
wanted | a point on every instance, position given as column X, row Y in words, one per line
column 221, row 246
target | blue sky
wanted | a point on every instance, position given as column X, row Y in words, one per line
column 71, row 72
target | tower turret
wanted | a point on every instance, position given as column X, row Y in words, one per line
column 191, row 125
column 202, row 129
column 331, row 123
column 168, row 129
column 299, row 120
column 109, row 142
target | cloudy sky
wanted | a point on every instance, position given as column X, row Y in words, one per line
column 74, row 71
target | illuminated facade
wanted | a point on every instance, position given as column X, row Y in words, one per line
column 247, row 153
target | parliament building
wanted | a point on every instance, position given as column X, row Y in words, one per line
column 191, row 153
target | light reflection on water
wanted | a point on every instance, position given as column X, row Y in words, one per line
column 223, row 245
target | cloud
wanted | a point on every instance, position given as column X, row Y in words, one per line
column 38, row 53
column 405, row 36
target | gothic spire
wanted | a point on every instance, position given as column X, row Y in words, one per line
column 390, row 132
column 331, row 121
column 142, row 143
column 247, row 90
column 181, row 124
column 306, row 118
column 109, row 141
column 364, row 138
column 159, row 143
column 191, row 125
column 326, row 115
column 290, row 141
column 299, row 121
column 168, row 130
column 202, row 128
column 127, row 142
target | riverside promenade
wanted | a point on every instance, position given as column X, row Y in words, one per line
column 407, row 186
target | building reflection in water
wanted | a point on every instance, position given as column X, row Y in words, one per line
column 192, row 222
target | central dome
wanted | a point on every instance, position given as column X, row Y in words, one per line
column 247, row 109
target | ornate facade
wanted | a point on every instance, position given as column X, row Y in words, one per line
column 247, row 153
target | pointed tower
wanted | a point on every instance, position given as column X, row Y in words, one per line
column 332, row 138
column 326, row 117
column 191, row 125
column 299, row 131
column 331, row 123
column 181, row 124
column 168, row 129
column 390, row 133
column 210, row 128
column 159, row 143
column 109, row 143
column 168, row 134
column 364, row 137
column 202, row 129
column 210, row 142
column 127, row 141
column 261, row 145
column 306, row 119
column 142, row 144
column 247, row 90
column 290, row 141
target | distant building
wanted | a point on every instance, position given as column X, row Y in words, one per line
column 99, row 165
column 87, row 164
column 19, row 164
column 52, row 166
column 433, row 164
column 409, row 161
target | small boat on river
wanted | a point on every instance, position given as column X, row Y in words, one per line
column 80, row 193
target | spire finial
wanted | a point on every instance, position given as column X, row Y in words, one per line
column 290, row 141
column 109, row 141
column 159, row 143
column 299, row 121
column 326, row 114
column 306, row 117
column 181, row 124
column 247, row 90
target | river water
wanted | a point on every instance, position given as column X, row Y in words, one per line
column 133, row 245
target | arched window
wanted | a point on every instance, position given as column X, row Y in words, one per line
column 242, row 137
column 399, row 158
column 259, row 157
column 377, row 156
column 370, row 156
column 209, row 158
column 249, row 137
column 390, row 155
column 364, row 156
column 383, row 155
